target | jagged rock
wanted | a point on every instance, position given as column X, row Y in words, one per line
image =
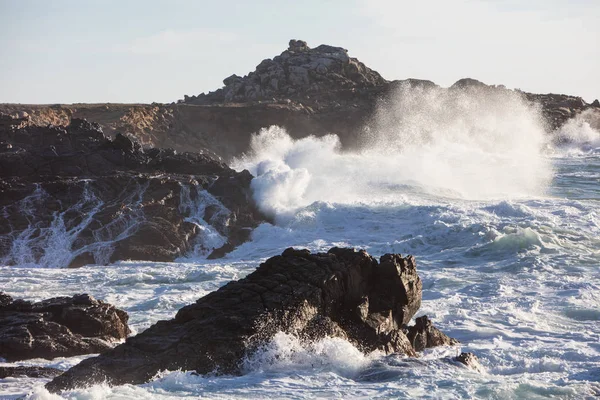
column 112, row 200
column 470, row 360
column 297, row 73
column 30, row 371
column 343, row 293
column 424, row 335
column 58, row 327
column 596, row 103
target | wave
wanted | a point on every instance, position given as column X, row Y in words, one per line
column 454, row 144
column 579, row 136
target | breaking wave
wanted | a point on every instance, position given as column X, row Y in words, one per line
column 455, row 144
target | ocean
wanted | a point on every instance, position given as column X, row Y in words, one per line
column 504, row 222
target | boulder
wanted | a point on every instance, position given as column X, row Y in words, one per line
column 58, row 327
column 342, row 293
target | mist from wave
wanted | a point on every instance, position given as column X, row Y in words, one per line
column 431, row 141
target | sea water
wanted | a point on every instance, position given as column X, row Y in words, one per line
column 504, row 222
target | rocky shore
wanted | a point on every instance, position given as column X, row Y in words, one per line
column 308, row 91
column 342, row 293
column 70, row 196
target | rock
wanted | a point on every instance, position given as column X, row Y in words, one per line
column 298, row 45
column 424, row 335
column 307, row 91
column 297, row 72
column 596, row 103
column 13, row 121
column 468, row 83
column 58, row 327
column 343, row 293
column 470, row 360
column 114, row 200
column 30, row 371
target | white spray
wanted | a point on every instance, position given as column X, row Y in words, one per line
column 462, row 144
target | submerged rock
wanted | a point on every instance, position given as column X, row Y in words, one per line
column 342, row 293
column 58, row 327
column 470, row 360
column 75, row 197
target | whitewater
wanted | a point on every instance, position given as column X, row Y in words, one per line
column 502, row 217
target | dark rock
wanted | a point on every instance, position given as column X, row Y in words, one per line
column 14, row 121
column 424, row 335
column 30, row 371
column 557, row 109
column 470, row 360
column 58, row 327
column 343, row 293
column 115, row 200
column 468, row 83
column 298, row 45
column 596, row 103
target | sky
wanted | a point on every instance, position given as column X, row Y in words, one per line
column 127, row 51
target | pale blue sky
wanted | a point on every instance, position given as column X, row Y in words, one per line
column 64, row 51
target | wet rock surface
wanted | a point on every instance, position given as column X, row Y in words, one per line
column 424, row 335
column 341, row 293
column 29, row 371
column 58, row 327
column 75, row 197
column 470, row 360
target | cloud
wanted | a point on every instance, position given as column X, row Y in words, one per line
column 173, row 42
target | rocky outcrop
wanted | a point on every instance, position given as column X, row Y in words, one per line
column 556, row 109
column 70, row 196
column 424, row 335
column 341, row 293
column 58, row 327
column 308, row 91
column 296, row 74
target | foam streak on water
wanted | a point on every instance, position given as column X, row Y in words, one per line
column 505, row 228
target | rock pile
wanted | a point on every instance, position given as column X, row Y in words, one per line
column 298, row 73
